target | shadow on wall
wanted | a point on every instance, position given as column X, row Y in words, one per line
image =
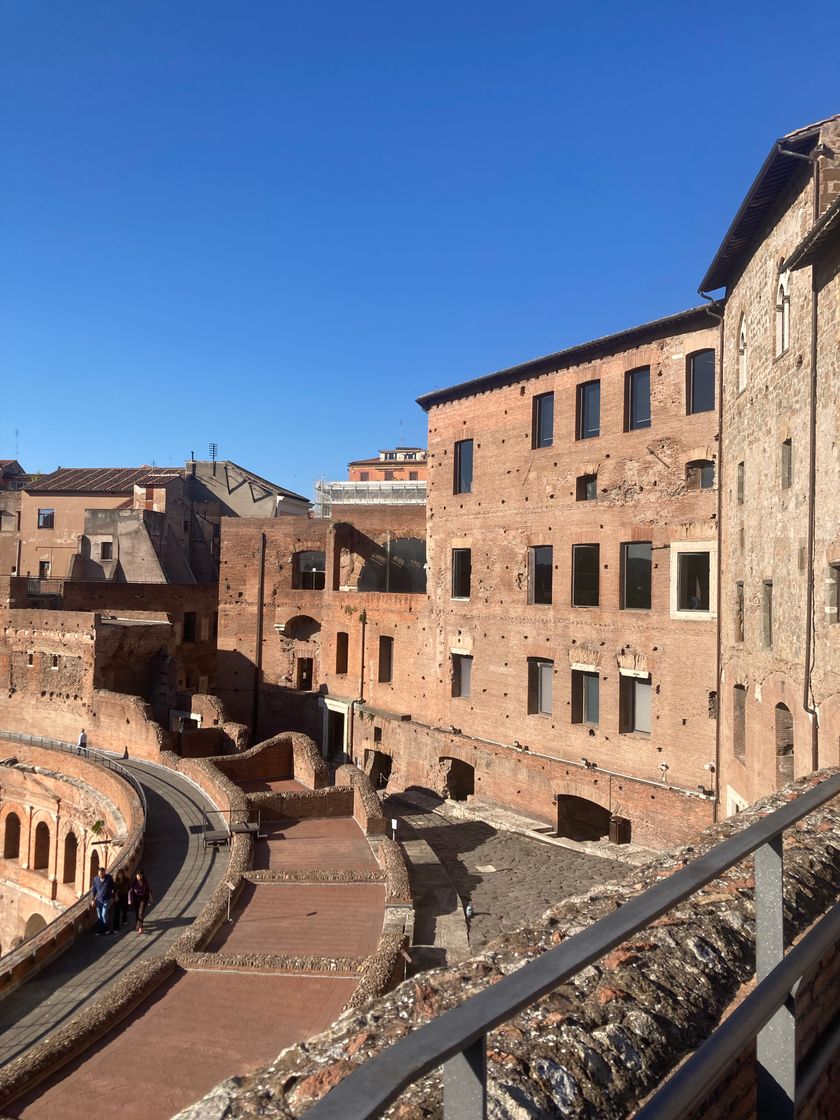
column 396, row 566
column 280, row 708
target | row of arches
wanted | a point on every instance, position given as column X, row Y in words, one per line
column 14, row 849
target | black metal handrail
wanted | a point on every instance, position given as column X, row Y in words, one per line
column 457, row 1038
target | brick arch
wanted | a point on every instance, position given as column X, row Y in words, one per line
column 71, row 853
column 587, row 790
column 13, row 838
column 41, row 846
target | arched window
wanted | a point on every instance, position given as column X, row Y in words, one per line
column 783, row 313
column 784, row 745
column 71, row 847
column 700, row 474
column 94, row 865
column 11, row 837
column 41, row 860
column 742, row 354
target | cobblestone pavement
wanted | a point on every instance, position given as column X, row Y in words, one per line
column 510, row 879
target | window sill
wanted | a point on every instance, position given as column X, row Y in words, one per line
column 693, row 616
column 636, row 734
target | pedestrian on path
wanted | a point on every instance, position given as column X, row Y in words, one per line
column 82, row 744
column 103, row 900
column 140, row 899
column 121, row 886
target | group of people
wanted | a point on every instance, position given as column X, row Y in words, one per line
column 114, row 896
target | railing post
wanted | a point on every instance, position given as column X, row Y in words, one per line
column 776, row 1042
column 465, row 1083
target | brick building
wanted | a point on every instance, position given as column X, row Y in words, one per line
column 399, row 464
column 12, row 480
column 780, row 538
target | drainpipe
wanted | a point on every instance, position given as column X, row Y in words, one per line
column 255, row 713
column 711, row 310
column 361, row 699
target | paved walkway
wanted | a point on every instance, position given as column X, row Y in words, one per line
column 182, row 876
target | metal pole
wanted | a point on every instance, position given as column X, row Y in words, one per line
column 465, row 1083
column 776, row 1043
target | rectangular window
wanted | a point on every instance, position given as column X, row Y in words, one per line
column 412, row 476
column 832, row 607
column 701, row 382
column 386, row 660
column 106, row 550
column 693, row 581
column 589, row 410
column 636, row 570
column 461, row 675
column 463, row 467
column 540, row 559
column 189, row 626
column 637, row 399
column 540, row 686
column 585, row 575
column 586, row 702
column 461, row 572
column 787, row 463
column 542, row 421
column 586, row 488
column 364, row 476
column 740, row 484
column 43, row 569
column 46, row 518
column 739, row 721
column 634, row 705
column 739, row 611
column 342, row 650
column 767, row 613
column 30, row 659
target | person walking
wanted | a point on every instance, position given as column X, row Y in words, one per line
column 140, row 899
column 103, row 900
column 82, row 744
column 121, row 886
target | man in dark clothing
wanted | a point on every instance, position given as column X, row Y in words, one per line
column 103, row 900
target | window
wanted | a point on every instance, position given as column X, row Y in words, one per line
column 342, row 648
column 46, row 518
column 784, row 745
column 586, row 488
column 636, row 568
column 700, row 387
column 585, row 697
column 589, row 410
column 740, row 484
column 54, row 661
column 540, row 682
column 309, row 570
column 783, row 314
column 463, row 467
column 412, row 476
column 637, row 399
column 364, row 476
column 43, row 569
column 585, row 571
column 461, row 675
column 767, row 613
column 739, row 611
column 739, row 721
column 700, row 474
column 540, row 559
column 461, row 572
column 634, row 705
column 742, row 355
column 832, row 606
column 106, row 550
column 693, row 581
column 389, row 476
column 386, row 660
column 542, row 421
column 189, row 626
column 787, row 463
column 30, row 659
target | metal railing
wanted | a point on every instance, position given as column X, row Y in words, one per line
column 457, row 1040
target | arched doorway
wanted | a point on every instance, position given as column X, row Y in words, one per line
column 458, row 779
column 784, row 745
column 41, row 858
column 71, row 848
column 11, row 837
column 34, row 925
column 94, row 865
column 579, row 819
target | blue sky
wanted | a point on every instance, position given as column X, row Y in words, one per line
column 273, row 225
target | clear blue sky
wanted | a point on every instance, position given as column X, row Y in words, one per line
column 274, row 224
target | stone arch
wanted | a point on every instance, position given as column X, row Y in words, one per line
column 70, row 860
column 41, row 847
column 784, row 744
column 583, row 808
column 301, row 628
column 35, row 923
column 11, row 836
column 458, row 778
column 94, row 864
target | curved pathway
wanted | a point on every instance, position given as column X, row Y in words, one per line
column 182, row 874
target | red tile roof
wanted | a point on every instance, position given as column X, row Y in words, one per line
column 103, row 480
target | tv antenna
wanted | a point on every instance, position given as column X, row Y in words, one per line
column 214, row 450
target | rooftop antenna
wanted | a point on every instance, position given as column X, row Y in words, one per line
column 214, row 448
column 17, row 443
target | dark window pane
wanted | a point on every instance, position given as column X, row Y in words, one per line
column 543, row 421
column 591, row 698
column 540, row 686
column 694, row 581
column 541, row 558
column 386, row 658
column 707, row 475
column 342, row 644
column 638, row 399
column 587, row 488
column 702, row 381
column 461, row 675
column 461, row 572
column 589, row 409
column 636, row 575
column 585, row 564
column 463, row 466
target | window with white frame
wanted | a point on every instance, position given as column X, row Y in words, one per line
column 634, row 705
column 693, row 579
